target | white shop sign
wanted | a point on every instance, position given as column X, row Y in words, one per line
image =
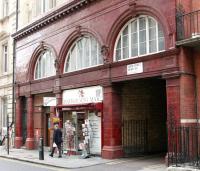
column 49, row 101
column 135, row 68
column 95, row 139
column 83, row 95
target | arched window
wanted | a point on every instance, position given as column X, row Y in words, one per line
column 140, row 36
column 45, row 65
column 84, row 53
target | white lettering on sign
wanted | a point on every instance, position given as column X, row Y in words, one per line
column 49, row 101
column 135, row 68
column 83, row 95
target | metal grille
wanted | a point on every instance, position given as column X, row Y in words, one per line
column 183, row 146
column 134, row 137
column 187, row 25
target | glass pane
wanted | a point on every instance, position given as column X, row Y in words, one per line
column 79, row 55
column 152, row 46
column 118, row 54
column 152, row 33
column 134, row 27
column 142, row 48
column 161, row 44
column 125, row 31
column 134, row 50
column 86, row 55
column 142, row 23
column 125, row 53
column 152, row 23
column 73, row 59
column 134, row 44
column 143, row 36
column 94, row 52
column 125, row 41
column 119, row 43
column 67, row 64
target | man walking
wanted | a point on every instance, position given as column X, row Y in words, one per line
column 57, row 140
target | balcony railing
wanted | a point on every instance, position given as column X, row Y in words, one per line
column 188, row 25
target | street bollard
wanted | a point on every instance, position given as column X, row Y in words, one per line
column 41, row 149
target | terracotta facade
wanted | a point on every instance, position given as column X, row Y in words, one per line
column 103, row 19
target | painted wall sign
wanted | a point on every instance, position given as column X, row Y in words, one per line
column 83, row 95
column 49, row 101
column 135, row 68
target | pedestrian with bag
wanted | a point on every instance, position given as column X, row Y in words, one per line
column 57, row 140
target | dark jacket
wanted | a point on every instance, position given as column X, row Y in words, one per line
column 57, row 136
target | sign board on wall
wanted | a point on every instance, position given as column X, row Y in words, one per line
column 83, row 95
column 95, row 140
column 49, row 101
column 135, row 68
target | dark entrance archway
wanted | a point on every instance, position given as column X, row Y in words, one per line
column 144, row 116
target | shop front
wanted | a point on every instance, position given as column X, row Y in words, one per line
column 81, row 120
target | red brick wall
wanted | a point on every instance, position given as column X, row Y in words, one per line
column 197, row 73
column 146, row 99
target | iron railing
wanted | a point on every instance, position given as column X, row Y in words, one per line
column 184, row 146
column 188, row 25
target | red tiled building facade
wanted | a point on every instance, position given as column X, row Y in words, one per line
column 123, row 50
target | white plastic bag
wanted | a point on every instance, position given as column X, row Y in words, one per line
column 54, row 144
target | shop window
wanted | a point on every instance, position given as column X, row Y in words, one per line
column 45, row 65
column 84, row 53
column 140, row 36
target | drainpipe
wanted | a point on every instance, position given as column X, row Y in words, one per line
column 14, row 61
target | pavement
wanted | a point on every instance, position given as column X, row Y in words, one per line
column 76, row 162
column 70, row 162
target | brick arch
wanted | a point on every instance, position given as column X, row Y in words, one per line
column 31, row 68
column 130, row 14
column 77, row 33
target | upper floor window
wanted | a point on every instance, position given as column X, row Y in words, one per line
column 84, row 53
column 43, row 6
column 45, row 65
column 140, row 36
column 5, row 8
column 5, row 58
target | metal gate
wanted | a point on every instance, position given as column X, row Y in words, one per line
column 134, row 137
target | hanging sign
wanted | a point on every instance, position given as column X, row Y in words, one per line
column 83, row 95
column 135, row 68
column 49, row 101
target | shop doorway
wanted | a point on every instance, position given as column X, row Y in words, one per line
column 24, row 120
column 47, row 130
column 80, row 120
column 144, row 117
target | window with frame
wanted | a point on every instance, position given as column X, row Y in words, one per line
column 43, row 6
column 5, row 8
column 140, row 36
column 4, row 105
column 5, row 58
column 45, row 65
column 84, row 53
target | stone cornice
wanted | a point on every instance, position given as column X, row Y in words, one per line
column 50, row 18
